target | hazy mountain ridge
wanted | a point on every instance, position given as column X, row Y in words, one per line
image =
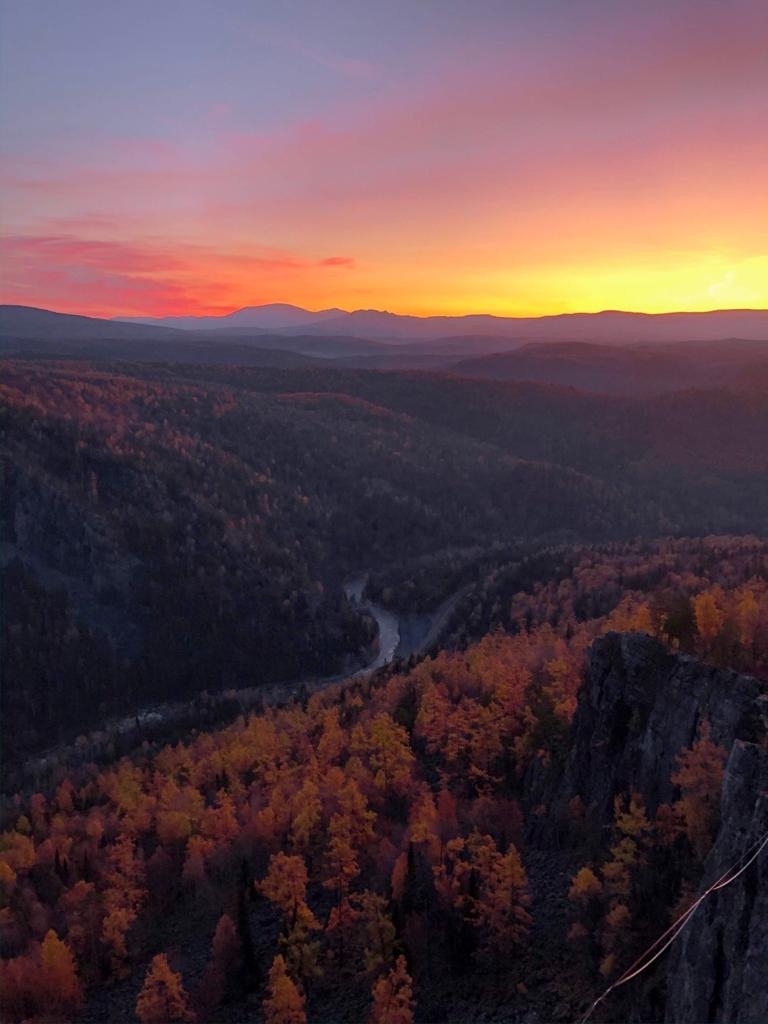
column 607, row 325
column 268, row 317
column 603, row 366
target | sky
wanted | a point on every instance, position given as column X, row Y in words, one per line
column 433, row 157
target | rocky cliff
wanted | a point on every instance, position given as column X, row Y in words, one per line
column 640, row 705
column 718, row 968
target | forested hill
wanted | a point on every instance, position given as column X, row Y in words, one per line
column 188, row 528
column 492, row 832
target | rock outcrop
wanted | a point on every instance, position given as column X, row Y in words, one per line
column 718, row 968
column 640, row 706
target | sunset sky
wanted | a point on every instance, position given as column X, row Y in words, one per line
column 422, row 156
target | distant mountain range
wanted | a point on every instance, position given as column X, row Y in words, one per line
column 611, row 326
column 27, row 331
column 623, row 354
column 276, row 316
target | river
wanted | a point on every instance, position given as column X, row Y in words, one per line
column 388, row 623
column 399, row 636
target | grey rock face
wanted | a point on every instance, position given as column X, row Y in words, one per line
column 640, row 707
column 718, row 969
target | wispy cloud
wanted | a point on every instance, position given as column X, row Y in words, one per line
column 351, row 67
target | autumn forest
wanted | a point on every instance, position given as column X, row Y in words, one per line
column 383, row 512
column 226, row 799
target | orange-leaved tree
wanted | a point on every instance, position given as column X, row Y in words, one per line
column 59, row 981
column 162, row 998
column 393, row 996
column 284, row 1003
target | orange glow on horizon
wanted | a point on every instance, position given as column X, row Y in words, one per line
column 616, row 165
column 131, row 279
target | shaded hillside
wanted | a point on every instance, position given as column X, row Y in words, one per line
column 201, row 533
column 198, row 521
column 324, row 346
column 699, row 455
column 133, row 349
column 619, row 370
column 26, row 332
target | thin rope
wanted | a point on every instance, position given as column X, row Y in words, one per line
column 641, row 964
column 681, row 921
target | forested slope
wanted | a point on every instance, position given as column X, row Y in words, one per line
column 194, row 524
column 455, row 815
column 197, row 536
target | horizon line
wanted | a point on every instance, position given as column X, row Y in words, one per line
column 416, row 316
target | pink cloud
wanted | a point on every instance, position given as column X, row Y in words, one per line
column 337, row 261
column 68, row 250
column 112, row 277
column 460, row 131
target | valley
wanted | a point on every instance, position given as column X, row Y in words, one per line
column 396, row 637
column 383, row 512
column 246, row 498
column 377, row 668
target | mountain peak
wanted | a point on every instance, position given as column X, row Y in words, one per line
column 273, row 316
